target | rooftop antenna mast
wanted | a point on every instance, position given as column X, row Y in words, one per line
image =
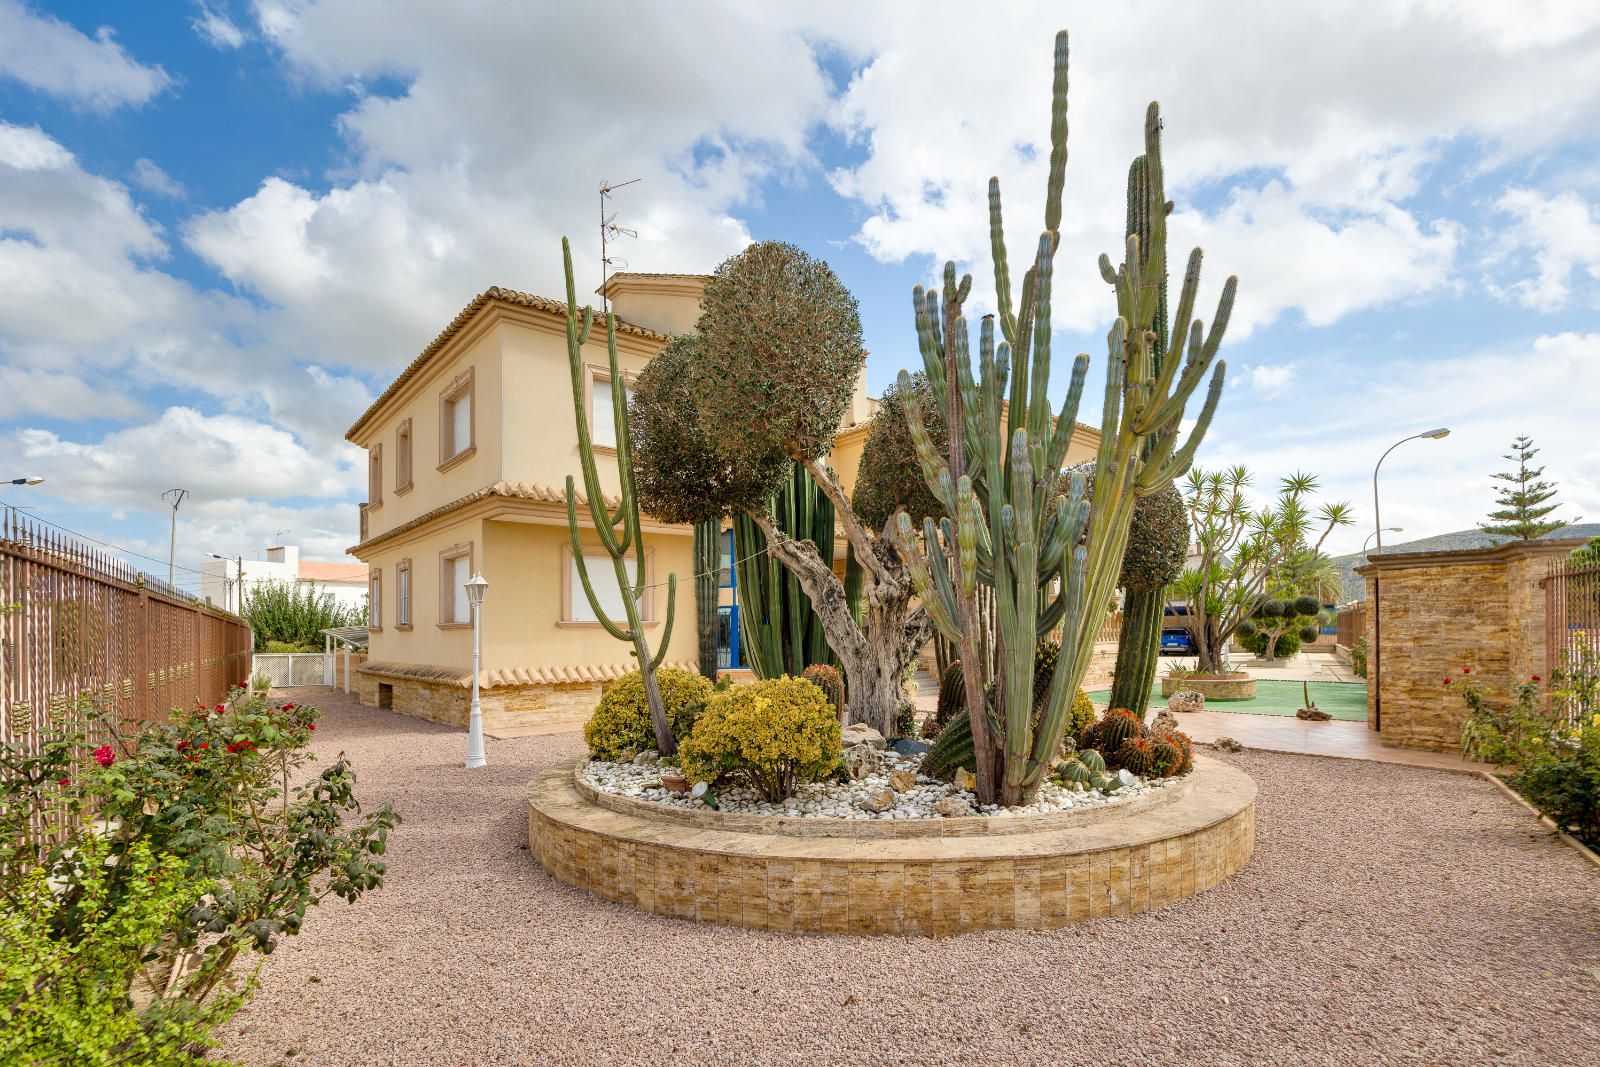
column 610, row 231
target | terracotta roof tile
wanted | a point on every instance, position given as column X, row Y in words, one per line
column 491, row 678
column 544, row 494
column 466, row 315
column 315, row 571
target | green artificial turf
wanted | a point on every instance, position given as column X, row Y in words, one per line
column 1342, row 700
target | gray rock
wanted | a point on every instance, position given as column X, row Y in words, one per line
column 859, row 733
column 861, row 760
column 952, row 807
column 648, row 758
column 878, row 801
column 907, row 747
column 1185, row 700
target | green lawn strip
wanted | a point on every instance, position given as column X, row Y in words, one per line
column 1342, row 700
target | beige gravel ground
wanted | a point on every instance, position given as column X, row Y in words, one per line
column 1390, row 914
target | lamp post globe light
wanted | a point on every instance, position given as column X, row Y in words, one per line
column 476, row 587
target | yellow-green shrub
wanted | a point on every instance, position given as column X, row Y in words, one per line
column 1082, row 714
column 622, row 718
column 773, row 734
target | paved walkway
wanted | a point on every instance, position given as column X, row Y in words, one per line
column 1389, row 915
column 1285, row 733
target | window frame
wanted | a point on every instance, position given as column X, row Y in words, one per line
column 404, row 593
column 592, row 374
column 375, row 599
column 572, row 588
column 375, row 476
column 403, row 451
column 463, row 384
column 447, row 593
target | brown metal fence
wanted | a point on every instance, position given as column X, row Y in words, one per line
column 77, row 626
column 1352, row 623
column 1571, row 612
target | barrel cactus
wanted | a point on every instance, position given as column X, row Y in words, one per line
column 828, row 679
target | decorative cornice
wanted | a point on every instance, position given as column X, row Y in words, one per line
column 1509, row 550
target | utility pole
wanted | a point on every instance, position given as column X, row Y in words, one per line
column 176, row 496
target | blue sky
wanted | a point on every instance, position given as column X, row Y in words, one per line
column 224, row 226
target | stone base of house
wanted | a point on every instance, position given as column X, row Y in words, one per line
column 526, row 708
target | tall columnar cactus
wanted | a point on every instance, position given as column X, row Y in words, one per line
column 617, row 529
column 1051, row 557
column 1144, row 598
column 707, row 541
column 780, row 632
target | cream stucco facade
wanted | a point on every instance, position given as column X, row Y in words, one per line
column 468, row 452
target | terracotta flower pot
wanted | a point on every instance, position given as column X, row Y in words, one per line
column 673, row 782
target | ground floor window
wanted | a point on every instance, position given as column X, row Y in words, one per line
column 728, row 657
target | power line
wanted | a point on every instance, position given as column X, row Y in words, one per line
column 95, row 540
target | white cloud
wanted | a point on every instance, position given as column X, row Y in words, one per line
column 213, row 456
column 1338, row 424
column 152, row 179
column 1560, row 234
column 51, row 56
column 1270, row 379
column 215, row 28
column 1318, row 158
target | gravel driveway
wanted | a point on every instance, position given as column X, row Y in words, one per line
column 1390, row 914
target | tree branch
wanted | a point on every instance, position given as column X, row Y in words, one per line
column 866, row 547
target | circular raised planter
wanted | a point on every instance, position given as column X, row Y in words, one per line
column 913, row 876
column 1236, row 686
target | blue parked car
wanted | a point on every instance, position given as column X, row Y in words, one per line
column 1176, row 641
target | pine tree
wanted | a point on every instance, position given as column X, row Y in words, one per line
column 1522, row 498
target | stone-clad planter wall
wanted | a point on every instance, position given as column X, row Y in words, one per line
column 1239, row 687
column 1439, row 611
column 910, row 877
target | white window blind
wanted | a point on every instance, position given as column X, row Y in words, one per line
column 403, row 596
column 603, row 577
column 602, row 423
column 375, row 602
column 460, row 571
column 460, row 423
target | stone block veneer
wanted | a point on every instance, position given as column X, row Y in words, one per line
column 907, row 877
column 1241, row 688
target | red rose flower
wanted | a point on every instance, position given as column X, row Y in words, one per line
column 104, row 756
column 1466, row 670
column 205, row 744
column 182, row 746
column 1447, row 679
column 311, row 726
column 63, row 781
column 288, row 707
column 220, row 708
column 1536, row 677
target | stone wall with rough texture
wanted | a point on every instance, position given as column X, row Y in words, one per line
column 1432, row 613
column 542, row 708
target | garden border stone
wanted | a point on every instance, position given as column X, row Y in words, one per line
column 1069, row 868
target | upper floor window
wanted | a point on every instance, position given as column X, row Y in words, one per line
column 456, row 423
column 402, row 457
column 375, row 476
column 375, row 601
column 602, row 416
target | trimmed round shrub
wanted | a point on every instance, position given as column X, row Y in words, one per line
column 1256, row 643
column 1246, row 629
column 1273, row 609
column 622, row 718
column 1308, row 634
column 782, row 353
column 677, row 471
column 1082, row 714
column 1305, row 605
column 889, row 476
column 772, row 734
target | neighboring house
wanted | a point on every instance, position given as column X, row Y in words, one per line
column 468, row 454
column 221, row 580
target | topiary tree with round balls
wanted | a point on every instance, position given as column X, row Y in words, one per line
column 1280, row 625
column 767, row 383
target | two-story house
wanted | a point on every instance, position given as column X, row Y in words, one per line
column 468, row 454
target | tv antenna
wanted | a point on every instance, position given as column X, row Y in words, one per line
column 610, row 231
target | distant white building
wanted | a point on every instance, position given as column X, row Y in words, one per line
column 221, row 579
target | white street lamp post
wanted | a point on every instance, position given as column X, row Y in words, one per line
column 1374, row 533
column 1377, row 523
column 32, row 479
column 476, row 587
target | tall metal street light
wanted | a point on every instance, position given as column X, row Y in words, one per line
column 1376, row 657
column 1374, row 533
column 32, row 479
column 1377, row 523
column 476, row 588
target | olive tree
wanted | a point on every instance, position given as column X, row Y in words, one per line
column 719, row 417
